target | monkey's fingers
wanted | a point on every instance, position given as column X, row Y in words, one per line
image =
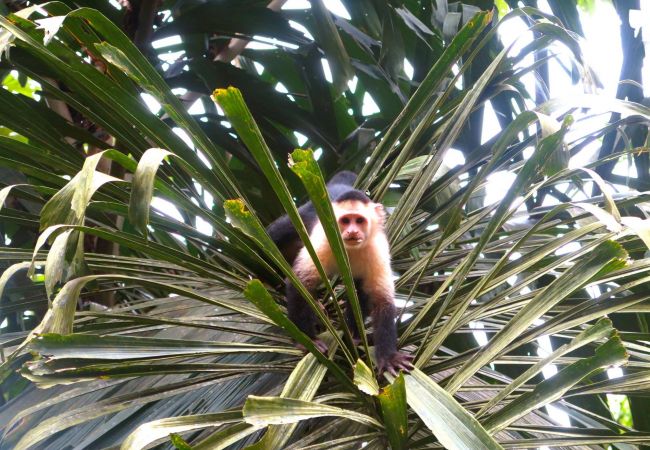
column 406, row 362
column 392, row 371
column 398, row 361
column 386, row 366
column 301, row 347
column 405, row 366
column 322, row 346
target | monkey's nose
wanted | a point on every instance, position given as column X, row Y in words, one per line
column 353, row 237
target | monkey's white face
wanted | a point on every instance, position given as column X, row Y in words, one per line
column 356, row 222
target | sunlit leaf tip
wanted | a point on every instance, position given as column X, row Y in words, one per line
column 364, row 378
column 303, row 164
column 301, row 155
column 618, row 259
column 221, row 93
column 143, row 186
column 567, row 121
column 612, row 351
column 232, row 102
column 179, row 442
column 254, row 289
column 236, row 211
column 481, row 19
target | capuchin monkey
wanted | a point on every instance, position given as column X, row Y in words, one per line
column 361, row 223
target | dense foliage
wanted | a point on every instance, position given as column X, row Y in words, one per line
column 141, row 300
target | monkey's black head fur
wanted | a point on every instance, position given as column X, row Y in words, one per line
column 345, row 177
column 353, row 194
column 284, row 233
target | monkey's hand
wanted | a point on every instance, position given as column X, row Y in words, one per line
column 393, row 363
column 320, row 345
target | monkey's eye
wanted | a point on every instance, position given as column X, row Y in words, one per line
column 360, row 220
column 345, row 220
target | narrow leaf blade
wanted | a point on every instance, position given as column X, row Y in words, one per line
column 454, row 427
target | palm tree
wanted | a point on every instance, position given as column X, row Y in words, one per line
column 140, row 178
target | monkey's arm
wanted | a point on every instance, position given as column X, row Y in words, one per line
column 385, row 337
column 385, row 329
column 364, row 302
column 381, row 291
column 299, row 311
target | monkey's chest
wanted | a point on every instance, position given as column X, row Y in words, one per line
column 362, row 264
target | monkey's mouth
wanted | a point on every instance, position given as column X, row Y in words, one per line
column 353, row 241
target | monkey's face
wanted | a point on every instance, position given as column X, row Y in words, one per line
column 355, row 221
column 354, row 229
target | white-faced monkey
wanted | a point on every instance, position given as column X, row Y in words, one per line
column 361, row 223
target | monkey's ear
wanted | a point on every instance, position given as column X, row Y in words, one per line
column 380, row 211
